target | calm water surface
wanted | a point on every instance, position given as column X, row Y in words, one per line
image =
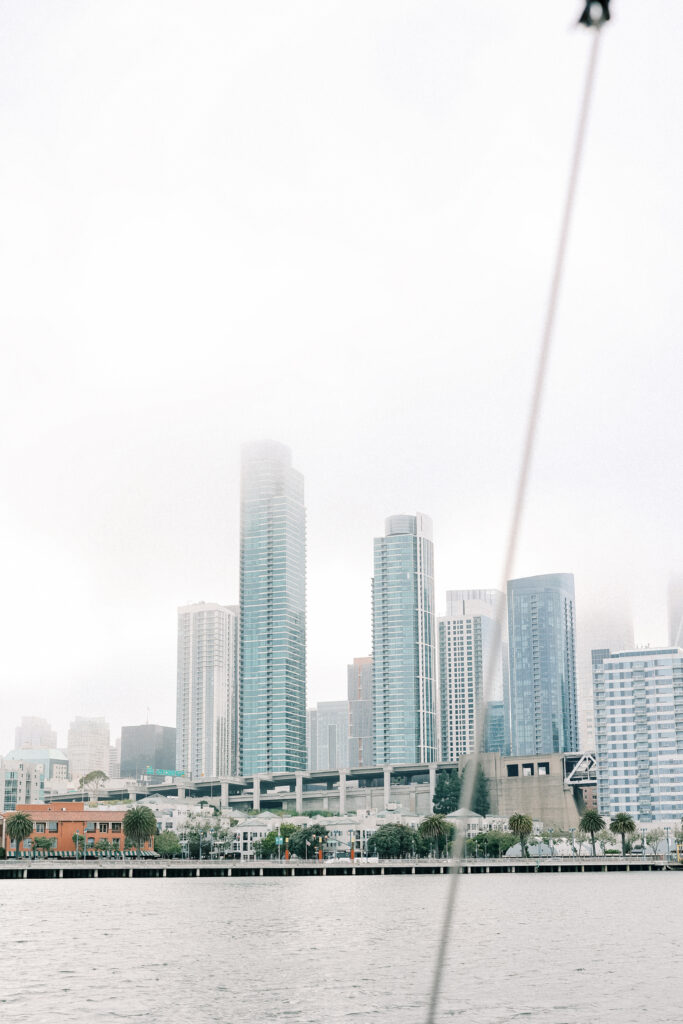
column 559, row 949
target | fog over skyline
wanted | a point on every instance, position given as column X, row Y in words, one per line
column 333, row 226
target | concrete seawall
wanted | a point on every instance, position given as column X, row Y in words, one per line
column 24, row 869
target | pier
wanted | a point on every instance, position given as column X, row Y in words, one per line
column 25, row 868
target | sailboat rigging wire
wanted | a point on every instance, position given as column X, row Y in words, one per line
column 470, row 774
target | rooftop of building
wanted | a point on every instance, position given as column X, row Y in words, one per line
column 37, row 754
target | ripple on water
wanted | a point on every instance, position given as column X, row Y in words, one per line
column 532, row 949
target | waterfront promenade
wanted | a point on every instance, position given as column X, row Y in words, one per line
column 25, row 868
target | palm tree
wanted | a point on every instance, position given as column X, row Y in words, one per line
column 19, row 827
column 521, row 826
column 139, row 824
column 435, row 828
column 622, row 824
column 592, row 822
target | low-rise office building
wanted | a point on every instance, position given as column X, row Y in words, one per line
column 70, row 826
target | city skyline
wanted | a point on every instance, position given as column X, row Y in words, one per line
column 120, row 486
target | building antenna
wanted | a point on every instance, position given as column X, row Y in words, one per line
column 594, row 16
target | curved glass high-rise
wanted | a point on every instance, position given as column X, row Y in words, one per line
column 272, row 611
column 540, row 699
column 403, row 643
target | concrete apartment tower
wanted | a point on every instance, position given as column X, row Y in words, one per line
column 88, row 747
column 540, row 699
column 359, row 692
column 403, row 643
column 206, row 699
column 465, row 638
column 639, row 733
column 273, row 611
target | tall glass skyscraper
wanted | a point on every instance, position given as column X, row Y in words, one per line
column 540, row 699
column 272, row 611
column 403, row 644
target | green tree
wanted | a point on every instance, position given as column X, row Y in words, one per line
column 139, row 825
column 492, row 844
column 447, row 792
column 42, row 843
column 268, row 847
column 202, row 832
column 591, row 823
column 313, row 835
column 654, row 838
column 167, row 844
column 435, row 834
column 393, row 841
column 521, row 826
column 19, row 827
column 481, row 803
column 78, row 839
column 623, row 825
column 103, row 845
column 92, row 782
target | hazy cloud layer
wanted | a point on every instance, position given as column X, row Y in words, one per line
column 331, row 224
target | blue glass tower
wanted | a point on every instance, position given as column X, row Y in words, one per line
column 540, row 699
column 403, row 644
column 272, row 611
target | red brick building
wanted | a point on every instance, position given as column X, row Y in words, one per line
column 60, row 822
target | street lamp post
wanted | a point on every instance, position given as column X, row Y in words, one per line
column 571, row 832
column 668, row 848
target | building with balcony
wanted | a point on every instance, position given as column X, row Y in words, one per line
column 638, row 699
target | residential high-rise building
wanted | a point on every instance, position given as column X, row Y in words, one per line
column 153, row 746
column 21, row 781
column 639, row 733
column 273, row 611
column 466, row 640
column 359, row 690
column 312, row 739
column 403, row 643
column 675, row 611
column 332, row 735
column 206, row 702
column 88, row 747
column 604, row 621
column 34, row 733
column 540, row 699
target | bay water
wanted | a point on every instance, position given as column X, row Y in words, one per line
column 562, row 949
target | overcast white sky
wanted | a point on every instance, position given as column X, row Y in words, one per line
column 331, row 224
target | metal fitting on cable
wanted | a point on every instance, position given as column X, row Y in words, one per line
column 595, row 13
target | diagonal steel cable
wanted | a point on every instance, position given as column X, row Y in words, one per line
column 470, row 774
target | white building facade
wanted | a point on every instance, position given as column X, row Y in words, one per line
column 21, row 782
column 639, row 733
column 465, row 644
column 207, row 690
